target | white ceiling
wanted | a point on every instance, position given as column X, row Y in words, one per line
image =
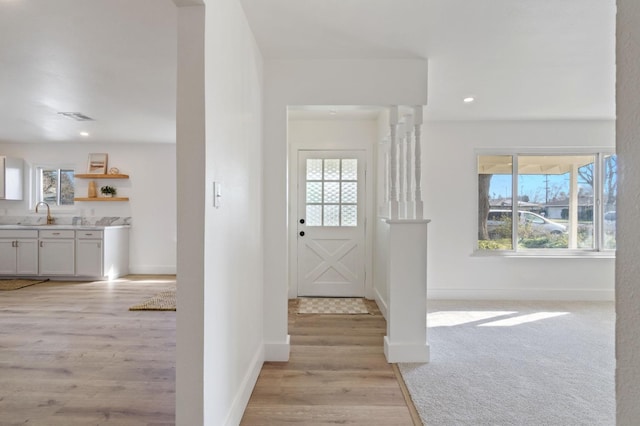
column 114, row 60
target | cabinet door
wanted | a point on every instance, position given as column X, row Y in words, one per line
column 57, row 257
column 7, row 257
column 27, row 257
column 89, row 258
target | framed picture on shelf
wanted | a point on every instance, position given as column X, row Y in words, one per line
column 97, row 164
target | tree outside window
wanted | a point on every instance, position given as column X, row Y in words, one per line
column 55, row 186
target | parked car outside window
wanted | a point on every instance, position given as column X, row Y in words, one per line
column 539, row 225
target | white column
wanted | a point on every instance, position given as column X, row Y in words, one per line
column 406, row 339
column 411, row 206
column 402, row 205
column 393, row 175
column 417, row 117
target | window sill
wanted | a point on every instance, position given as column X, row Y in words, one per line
column 544, row 254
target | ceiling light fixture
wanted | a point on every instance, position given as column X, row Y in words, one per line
column 468, row 99
column 77, row 116
column 85, row 134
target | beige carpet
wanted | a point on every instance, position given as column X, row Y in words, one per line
column 329, row 305
column 163, row 301
column 16, row 283
column 516, row 363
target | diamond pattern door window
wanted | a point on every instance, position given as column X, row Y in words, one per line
column 332, row 192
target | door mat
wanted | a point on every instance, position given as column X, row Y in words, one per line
column 330, row 305
column 16, row 284
column 163, row 301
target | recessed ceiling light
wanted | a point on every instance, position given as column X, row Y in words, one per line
column 85, row 134
column 468, row 99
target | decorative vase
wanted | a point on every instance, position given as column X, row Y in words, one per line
column 92, row 190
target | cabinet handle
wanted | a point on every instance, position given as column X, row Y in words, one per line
column 13, row 243
column 41, row 244
column 55, row 233
column 17, row 243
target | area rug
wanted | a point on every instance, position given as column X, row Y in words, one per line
column 163, row 301
column 16, row 284
column 329, row 305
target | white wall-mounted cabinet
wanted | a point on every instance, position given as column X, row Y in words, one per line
column 11, row 177
column 19, row 252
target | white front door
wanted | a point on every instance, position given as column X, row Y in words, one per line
column 331, row 225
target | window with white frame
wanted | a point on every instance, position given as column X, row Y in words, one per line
column 54, row 186
column 558, row 202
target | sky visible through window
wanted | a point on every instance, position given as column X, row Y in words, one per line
column 532, row 186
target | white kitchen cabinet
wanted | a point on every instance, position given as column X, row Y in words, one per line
column 89, row 253
column 11, row 177
column 102, row 253
column 56, row 252
column 18, row 252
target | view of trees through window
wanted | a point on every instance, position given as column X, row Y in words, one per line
column 56, row 186
column 558, row 202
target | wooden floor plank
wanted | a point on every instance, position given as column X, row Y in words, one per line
column 336, row 374
column 71, row 353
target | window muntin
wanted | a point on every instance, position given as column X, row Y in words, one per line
column 54, row 186
column 332, row 192
column 557, row 200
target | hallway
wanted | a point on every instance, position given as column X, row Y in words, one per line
column 337, row 374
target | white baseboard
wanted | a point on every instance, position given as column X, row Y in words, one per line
column 152, row 269
column 406, row 352
column 246, row 387
column 521, row 294
column 382, row 304
column 279, row 352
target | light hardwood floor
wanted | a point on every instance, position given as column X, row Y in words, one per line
column 72, row 354
column 337, row 374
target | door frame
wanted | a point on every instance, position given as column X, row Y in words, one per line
column 368, row 212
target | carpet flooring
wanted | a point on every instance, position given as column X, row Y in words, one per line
column 163, row 301
column 516, row 363
column 330, row 305
column 15, row 284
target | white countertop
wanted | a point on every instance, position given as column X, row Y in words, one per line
column 72, row 227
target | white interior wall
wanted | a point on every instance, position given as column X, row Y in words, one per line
column 233, row 292
column 314, row 82
column 339, row 134
column 151, row 189
column 451, row 202
column 627, row 265
column 191, row 168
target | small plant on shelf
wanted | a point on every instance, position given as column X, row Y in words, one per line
column 108, row 191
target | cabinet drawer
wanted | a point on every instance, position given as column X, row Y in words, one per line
column 62, row 233
column 18, row 233
column 89, row 235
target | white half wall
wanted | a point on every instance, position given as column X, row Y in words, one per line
column 151, row 189
column 450, row 189
column 627, row 265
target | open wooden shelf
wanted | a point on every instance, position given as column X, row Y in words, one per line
column 97, row 176
column 102, row 199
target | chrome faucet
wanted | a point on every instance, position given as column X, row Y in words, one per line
column 50, row 219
